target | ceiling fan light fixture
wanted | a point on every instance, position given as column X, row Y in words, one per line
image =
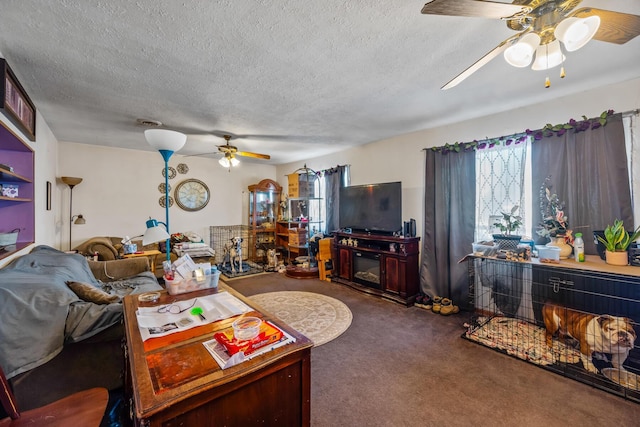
column 229, row 160
column 521, row 53
column 548, row 56
column 576, row 32
column 224, row 162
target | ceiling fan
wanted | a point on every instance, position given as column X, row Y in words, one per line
column 542, row 25
column 230, row 152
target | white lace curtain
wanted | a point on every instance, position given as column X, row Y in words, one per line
column 500, row 185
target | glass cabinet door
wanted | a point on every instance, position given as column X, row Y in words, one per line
column 264, row 204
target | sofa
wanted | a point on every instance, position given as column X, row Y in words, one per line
column 55, row 337
column 109, row 248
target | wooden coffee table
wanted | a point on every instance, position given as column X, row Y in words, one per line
column 173, row 380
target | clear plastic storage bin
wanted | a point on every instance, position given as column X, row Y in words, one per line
column 548, row 253
column 175, row 287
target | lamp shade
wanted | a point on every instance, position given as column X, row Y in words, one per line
column 165, row 139
column 80, row 220
column 521, row 53
column 548, row 56
column 234, row 161
column 71, row 181
column 224, row 162
column 154, row 233
column 576, row 32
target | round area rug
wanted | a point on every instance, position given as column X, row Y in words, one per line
column 318, row 317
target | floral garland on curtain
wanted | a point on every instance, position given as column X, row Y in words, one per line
column 547, row 131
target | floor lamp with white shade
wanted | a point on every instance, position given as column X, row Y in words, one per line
column 166, row 142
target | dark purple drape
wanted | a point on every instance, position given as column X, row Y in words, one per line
column 334, row 179
column 449, row 222
column 588, row 170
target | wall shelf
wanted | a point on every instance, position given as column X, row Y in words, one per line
column 17, row 212
column 8, row 176
column 15, row 199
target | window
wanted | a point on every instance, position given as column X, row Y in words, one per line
column 319, row 210
column 503, row 179
column 503, row 173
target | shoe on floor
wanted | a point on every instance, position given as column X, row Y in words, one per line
column 427, row 302
column 437, row 304
column 448, row 307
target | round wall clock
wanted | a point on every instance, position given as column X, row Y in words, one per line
column 192, row 194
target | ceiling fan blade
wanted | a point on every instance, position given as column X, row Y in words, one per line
column 473, row 8
column 254, row 155
column 615, row 27
column 482, row 62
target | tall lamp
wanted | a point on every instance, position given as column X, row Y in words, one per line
column 167, row 142
column 79, row 219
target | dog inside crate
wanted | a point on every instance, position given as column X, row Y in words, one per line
column 518, row 316
column 231, row 247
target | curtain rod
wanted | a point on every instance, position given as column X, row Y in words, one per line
column 623, row 114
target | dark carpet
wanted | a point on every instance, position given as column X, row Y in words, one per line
column 398, row 366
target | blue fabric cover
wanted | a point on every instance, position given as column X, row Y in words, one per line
column 39, row 313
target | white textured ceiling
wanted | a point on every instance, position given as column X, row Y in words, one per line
column 291, row 78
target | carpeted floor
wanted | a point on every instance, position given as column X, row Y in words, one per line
column 398, row 366
column 319, row 317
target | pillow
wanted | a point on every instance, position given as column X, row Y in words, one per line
column 90, row 293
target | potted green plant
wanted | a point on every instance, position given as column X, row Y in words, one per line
column 616, row 241
column 509, row 223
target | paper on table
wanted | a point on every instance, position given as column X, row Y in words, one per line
column 153, row 324
column 225, row 361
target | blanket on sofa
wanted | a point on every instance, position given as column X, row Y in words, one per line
column 39, row 313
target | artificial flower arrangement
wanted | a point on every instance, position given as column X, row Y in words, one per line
column 554, row 221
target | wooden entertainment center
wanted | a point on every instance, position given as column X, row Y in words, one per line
column 378, row 264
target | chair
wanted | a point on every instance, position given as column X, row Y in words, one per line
column 324, row 259
column 85, row 408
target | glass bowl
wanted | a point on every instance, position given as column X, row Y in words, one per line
column 246, row 328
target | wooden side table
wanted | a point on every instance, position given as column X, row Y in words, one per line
column 152, row 255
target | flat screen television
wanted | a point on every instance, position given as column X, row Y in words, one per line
column 375, row 208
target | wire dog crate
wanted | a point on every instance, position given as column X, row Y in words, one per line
column 231, row 245
column 578, row 321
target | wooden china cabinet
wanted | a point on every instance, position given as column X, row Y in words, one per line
column 264, row 205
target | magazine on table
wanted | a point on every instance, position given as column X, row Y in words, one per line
column 178, row 316
column 228, row 351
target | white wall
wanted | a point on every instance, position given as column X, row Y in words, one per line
column 119, row 192
column 402, row 158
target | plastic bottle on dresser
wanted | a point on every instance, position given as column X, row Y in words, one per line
column 578, row 247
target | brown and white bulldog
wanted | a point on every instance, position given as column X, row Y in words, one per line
column 596, row 334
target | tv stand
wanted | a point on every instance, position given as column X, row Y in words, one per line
column 378, row 264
